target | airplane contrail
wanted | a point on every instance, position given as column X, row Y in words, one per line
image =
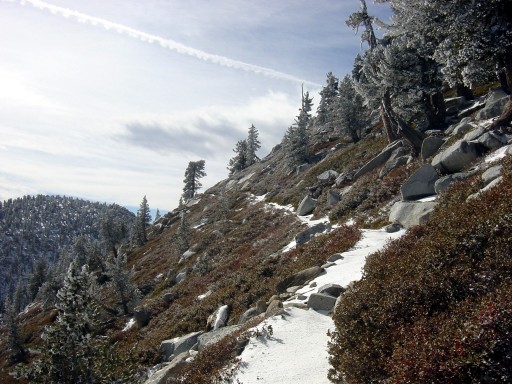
column 163, row 42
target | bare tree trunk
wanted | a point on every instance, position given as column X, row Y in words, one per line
column 436, row 110
column 506, row 116
column 465, row 91
column 388, row 125
column 411, row 135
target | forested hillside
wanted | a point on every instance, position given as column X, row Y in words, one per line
column 37, row 231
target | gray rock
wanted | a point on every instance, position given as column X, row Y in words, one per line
column 218, row 319
column 346, row 190
column 378, row 160
column 491, row 140
column 430, row 146
column 328, row 177
column 463, row 121
column 328, row 265
column 454, row 102
column 304, row 236
column 409, row 213
column 495, row 94
column 169, row 298
column 392, row 228
column 420, row 184
column 333, row 290
column 261, row 306
column 274, row 308
column 343, row 178
column 492, row 184
column 456, row 157
column 492, row 108
column 299, row 278
column 462, row 128
column 321, row 302
column 474, row 134
column 163, row 375
column 335, row 257
column 212, row 337
column 178, row 345
column 301, row 168
column 333, row 198
column 306, row 206
column 249, row 314
column 491, row 174
column 443, row 183
column 141, row 316
column 180, row 277
column 293, row 289
column 393, row 164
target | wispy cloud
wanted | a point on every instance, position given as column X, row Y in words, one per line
column 163, row 42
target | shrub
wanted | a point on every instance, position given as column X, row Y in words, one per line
column 433, row 306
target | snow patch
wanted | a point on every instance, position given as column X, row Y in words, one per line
column 498, row 154
column 129, row 325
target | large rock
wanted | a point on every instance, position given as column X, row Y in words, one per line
column 304, row 236
column 178, row 345
column 169, row 370
column 456, row 157
column 392, row 164
column 430, row 146
column 321, row 302
column 218, row 319
column 491, row 140
column 460, row 127
column 378, row 160
column 420, row 184
column 299, row 278
column 249, row 314
column 212, row 337
column 492, row 108
column 443, row 183
column 306, row 206
column 328, row 177
column 411, row 213
column 491, row 174
column 333, row 198
column 333, row 290
column 495, row 94
column 275, row 307
column 474, row 134
column 141, row 316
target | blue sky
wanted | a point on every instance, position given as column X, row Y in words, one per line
column 109, row 100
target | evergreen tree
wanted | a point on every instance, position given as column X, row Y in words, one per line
column 193, row 173
column 120, row 276
column 113, row 232
column 326, row 107
column 70, row 349
column 253, row 144
column 157, row 215
column 15, row 347
column 144, row 219
column 38, row 278
column 240, row 161
column 182, row 243
column 352, row 116
column 296, row 138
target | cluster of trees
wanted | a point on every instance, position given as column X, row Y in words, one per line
column 296, row 138
column 245, row 152
column 430, row 44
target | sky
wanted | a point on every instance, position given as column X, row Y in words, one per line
column 109, row 100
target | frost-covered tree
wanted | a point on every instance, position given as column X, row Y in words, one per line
column 296, row 138
column 194, row 172
column 38, row 278
column 352, row 116
column 144, row 220
column 120, row 276
column 70, row 353
column 326, row 108
column 471, row 37
column 14, row 341
column 240, row 161
column 253, row 144
column 113, row 232
column 182, row 236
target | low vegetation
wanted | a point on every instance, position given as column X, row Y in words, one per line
column 435, row 305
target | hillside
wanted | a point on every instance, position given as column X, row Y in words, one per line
column 36, row 229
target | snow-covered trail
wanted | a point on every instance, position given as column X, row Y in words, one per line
column 297, row 351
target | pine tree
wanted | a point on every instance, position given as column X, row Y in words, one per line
column 157, row 215
column 193, row 173
column 15, row 347
column 240, row 161
column 325, row 111
column 70, row 352
column 253, row 144
column 352, row 116
column 182, row 242
column 144, row 219
column 296, row 138
column 120, row 276
column 113, row 232
column 38, row 278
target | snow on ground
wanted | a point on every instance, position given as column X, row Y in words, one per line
column 129, row 325
column 498, row 154
column 297, row 351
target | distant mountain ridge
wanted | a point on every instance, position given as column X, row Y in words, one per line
column 41, row 227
